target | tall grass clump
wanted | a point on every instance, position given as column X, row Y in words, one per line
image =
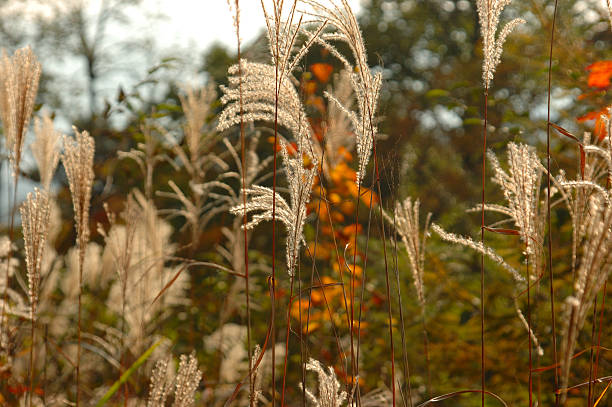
column 78, row 162
column 20, row 76
column 175, row 253
column 489, row 13
column 35, row 220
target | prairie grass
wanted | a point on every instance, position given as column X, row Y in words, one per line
column 186, row 264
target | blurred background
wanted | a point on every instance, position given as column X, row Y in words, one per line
column 115, row 67
column 105, row 62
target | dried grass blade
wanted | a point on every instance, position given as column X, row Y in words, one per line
column 503, row 231
column 457, row 393
column 566, row 133
column 561, row 130
column 577, row 386
column 602, row 394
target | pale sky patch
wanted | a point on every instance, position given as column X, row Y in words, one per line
column 204, row 22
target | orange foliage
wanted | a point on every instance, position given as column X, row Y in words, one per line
column 322, row 71
column 334, row 202
column 600, row 73
column 599, row 130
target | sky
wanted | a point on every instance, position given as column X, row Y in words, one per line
column 203, row 22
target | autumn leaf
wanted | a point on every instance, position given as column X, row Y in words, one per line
column 322, row 71
column 599, row 130
column 310, row 87
column 600, row 73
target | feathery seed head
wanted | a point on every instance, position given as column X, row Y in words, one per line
column 329, row 387
column 521, row 188
column 283, row 32
column 477, row 246
column 160, row 385
column 406, row 223
column 20, row 74
column 187, row 381
column 35, row 220
column 6, row 247
column 259, row 100
column 292, row 215
column 366, row 84
column 196, row 107
column 489, row 12
column 590, row 207
column 338, row 123
column 45, row 149
column 78, row 162
column 300, row 181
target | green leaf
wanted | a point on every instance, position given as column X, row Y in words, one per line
column 436, row 93
column 472, row 121
column 169, row 107
column 125, row 376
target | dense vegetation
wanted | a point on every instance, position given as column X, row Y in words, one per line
column 410, row 207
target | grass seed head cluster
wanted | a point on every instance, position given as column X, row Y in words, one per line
column 140, row 273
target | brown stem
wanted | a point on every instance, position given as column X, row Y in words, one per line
column 273, row 288
column 44, row 399
column 402, row 323
column 32, row 359
column 287, row 340
column 601, row 313
column 529, row 329
column 426, row 350
column 323, row 199
column 590, row 394
column 355, row 362
column 362, row 294
column 482, row 241
column 314, row 257
column 384, row 240
column 123, row 296
column 329, row 311
column 78, row 361
column 244, row 213
column 549, row 265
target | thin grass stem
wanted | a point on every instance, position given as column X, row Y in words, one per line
column 548, row 220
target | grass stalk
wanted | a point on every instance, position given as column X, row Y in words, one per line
column 355, row 362
column 406, row 365
column 601, row 314
column 387, row 285
column 288, row 330
column 244, row 213
column 78, row 361
column 426, row 351
column 277, row 74
column 362, row 294
column 591, row 362
column 323, row 198
column 529, row 325
column 482, row 241
column 32, row 361
column 44, row 380
column 548, row 220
